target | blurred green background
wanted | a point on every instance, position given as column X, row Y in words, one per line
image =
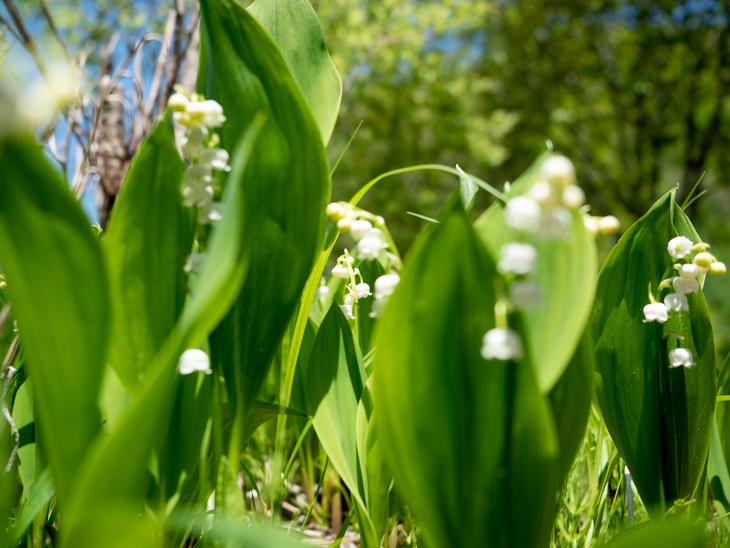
column 635, row 93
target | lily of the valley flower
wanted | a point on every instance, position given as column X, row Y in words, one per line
column 676, row 302
column 517, row 258
column 685, row 285
column 681, row 357
column 501, row 344
column 193, row 360
column 558, row 170
column 523, row 214
column 347, row 307
column 385, row 285
column 370, row 247
column 656, row 312
column 360, row 228
column 679, row 247
column 362, row 290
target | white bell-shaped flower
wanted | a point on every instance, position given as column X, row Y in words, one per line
column 685, row 285
column 522, row 214
column 385, row 285
column 360, row 228
column 370, row 247
column 362, row 290
column 688, row 271
column 656, row 312
column 681, row 357
column 573, row 197
column 501, row 344
column 342, row 272
column 558, row 170
column 517, row 258
column 718, row 268
column 194, row 360
column 676, row 302
column 679, row 247
column 543, row 193
column 608, row 225
column 210, row 212
column 217, row 158
column 197, row 194
column 347, row 307
column 555, row 223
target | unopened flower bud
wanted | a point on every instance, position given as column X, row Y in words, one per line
column 717, row 268
column 343, row 225
column 591, row 224
column 573, row 197
column 335, row 211
column 360, row 228
column 558, row 170
column 178, row 102
column 608, row 225
column 704, row 260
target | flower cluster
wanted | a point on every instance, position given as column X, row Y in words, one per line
column 544, row 212
column 199, row 116
column 692, row 261
column 373, row 243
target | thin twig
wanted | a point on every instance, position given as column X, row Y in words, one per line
column 54, row 29
column 8, row 372
column 24, row 35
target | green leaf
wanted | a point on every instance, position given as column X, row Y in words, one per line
column 149, row 236
column 570, row 401
column 294, row 26
column 116, row 468
column 659, row 418
column 58, row 286
column 285, row 188
column 470, row 442
column 566, row 273
column 335, row 382
column 37, row 498
column 667, row 534
column 718, row 478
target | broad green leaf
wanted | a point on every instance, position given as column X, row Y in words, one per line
column 149, row 236
column 570, row 401
column 718, row 477
column 58, row 287
column 335, row 378
column 294, row 26
column 667, row 534
column 659, row 418
column 469, row 441
column 376, row 477
column 116, row 468
column 37, row 498
column 285, row 187
column 233, row 531
column 370, row 271
column 566, row 273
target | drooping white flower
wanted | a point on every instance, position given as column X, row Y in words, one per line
column 523, row 214
column 573, row 197
column 681, row 357
column 555, row 223
column 347, row 307
column 323, row 292
column 525, row 295
column 362, row 290
column 193, row 143
column 517, row 258
column 370, row 247
column 679, row 247
column 208, row 113
column 342, row 272
column 178, row 101
column 385, row 285
column 558, row 170
column 210, row 212
column 685, row 285
column 656, row 312
column 197, row 194
column 193, row 360
column 501, row 344
column 608, row 225
column 360, row 228
column 542, row 192
column 217, row 158
column 689, row 271
column 676, row 302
